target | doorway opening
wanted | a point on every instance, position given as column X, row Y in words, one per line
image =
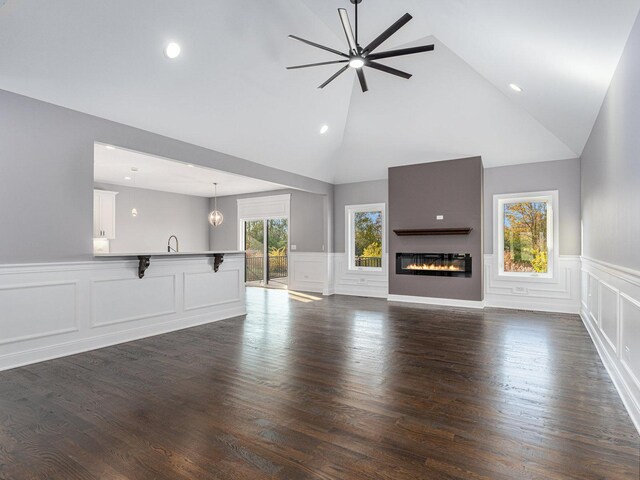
column 266, row 245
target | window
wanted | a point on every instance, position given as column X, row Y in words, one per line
column 526, row 234
column 365, row 236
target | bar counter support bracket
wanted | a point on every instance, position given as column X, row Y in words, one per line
column 145, row 260
column 143, row 263
column 218, row 258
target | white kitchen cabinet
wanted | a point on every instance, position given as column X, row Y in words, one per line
column 104, row 214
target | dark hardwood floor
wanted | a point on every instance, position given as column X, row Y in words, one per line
column 326, row 388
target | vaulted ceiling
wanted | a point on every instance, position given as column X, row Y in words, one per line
column 230, row 91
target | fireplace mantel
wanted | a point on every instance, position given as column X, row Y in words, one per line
column 432, row 231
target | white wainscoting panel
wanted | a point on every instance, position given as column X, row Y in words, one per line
column 53, row 310
column 24, row 318
column 611, row 314
column 129, row 299
column 360, row 283
column 593, row 300
column 608, row 318
column 308, row 272
column 559, row 294
column 209, row 289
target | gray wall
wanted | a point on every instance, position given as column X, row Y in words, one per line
column 46, row 169
column 611, row 168
column 417, row 194
column 355, row 194
column 307, row 230
column 563, row 175
column 160, row 215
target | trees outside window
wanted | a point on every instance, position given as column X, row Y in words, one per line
column 525, row 232
column 365, row 236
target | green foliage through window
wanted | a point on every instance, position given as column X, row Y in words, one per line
column 368, row 239
column 525, row 237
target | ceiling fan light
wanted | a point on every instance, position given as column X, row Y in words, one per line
column 356, row 62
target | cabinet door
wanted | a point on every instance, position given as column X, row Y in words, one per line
column 97, row 231
column 104, row 214
column 108, row 215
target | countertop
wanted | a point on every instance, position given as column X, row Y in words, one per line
column 168, row 254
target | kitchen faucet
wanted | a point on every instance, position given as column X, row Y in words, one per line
column 169, row 249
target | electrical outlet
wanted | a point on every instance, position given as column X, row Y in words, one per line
column 439, row 217
column 294, row 247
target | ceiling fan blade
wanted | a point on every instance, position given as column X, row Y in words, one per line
column 316, row 64
column 392, row 71
column 317, row 45
column 388, row 32
column 363, row 81
column 348, row 31
column 334, row 76
column 400, row 52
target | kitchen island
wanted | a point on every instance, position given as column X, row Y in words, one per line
column 92, row 304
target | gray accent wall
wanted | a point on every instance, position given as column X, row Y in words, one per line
column 307, row 230
column 417, row 194
column 160, row 215
column 46, row 169
column 562, row 175
column 359, row 193
column 611, row 168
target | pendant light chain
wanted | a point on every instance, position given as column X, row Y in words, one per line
column 215, row 217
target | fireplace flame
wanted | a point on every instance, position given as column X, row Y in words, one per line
column 432, row 266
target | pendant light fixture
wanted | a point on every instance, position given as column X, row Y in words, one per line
column 134, row 210
column 215, row 217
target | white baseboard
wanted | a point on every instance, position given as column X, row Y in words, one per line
column 445, row 302
column 53, row 310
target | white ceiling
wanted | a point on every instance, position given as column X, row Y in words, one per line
column 230, row 91
column 113, row 165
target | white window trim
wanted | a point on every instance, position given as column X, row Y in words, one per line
column 349, row 212
column 499, row 200
column 263, row 208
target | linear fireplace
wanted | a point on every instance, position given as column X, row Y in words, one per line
column 435, row 264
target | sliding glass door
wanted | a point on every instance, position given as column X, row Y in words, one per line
column 266, row 243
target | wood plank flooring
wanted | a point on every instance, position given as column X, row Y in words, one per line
column 326, row 388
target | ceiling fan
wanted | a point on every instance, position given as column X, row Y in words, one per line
column 358, row 57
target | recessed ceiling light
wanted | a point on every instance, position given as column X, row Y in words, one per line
column 515, row 87
column 324, row 129
column 172, row 50
column 109, row 147
column 127, row 178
